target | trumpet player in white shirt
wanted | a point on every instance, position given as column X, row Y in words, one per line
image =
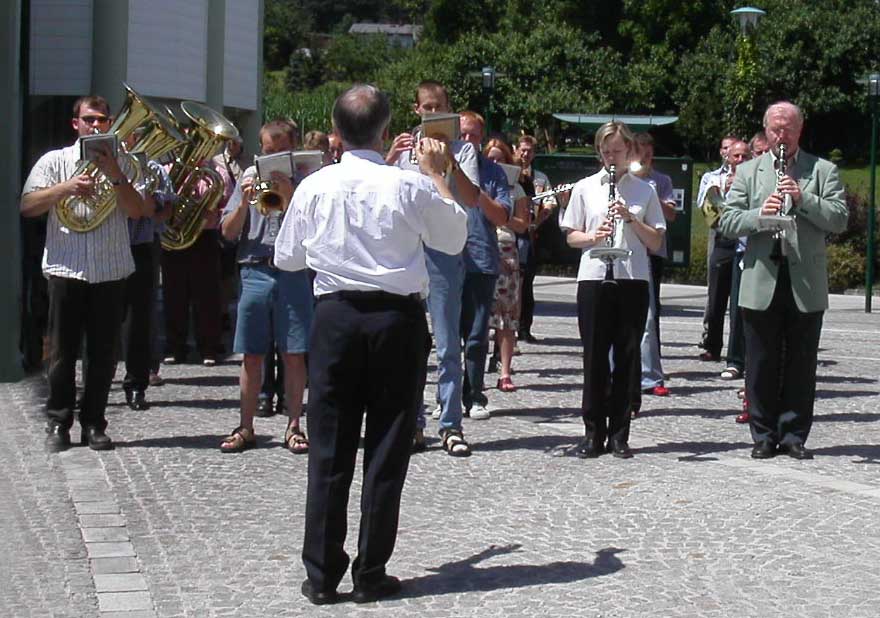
column 612, row 313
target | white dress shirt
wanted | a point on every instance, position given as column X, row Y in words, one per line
column 361, row 225
column 588, row 208
column 103, row 254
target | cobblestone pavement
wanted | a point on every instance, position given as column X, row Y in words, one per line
column 166, row 525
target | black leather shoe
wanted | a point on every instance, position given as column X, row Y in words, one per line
column 280, row 407
column 367, row 593
column 318, row 597
column 96, row 439
column 620, row 450
column 588, row 449
column 764, row 450
column 264, row 408
column 798, row 451
column 58, row 438
column 136, row 400
column 527, row 337
column 492, row 367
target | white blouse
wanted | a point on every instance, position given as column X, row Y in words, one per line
column 588, row 208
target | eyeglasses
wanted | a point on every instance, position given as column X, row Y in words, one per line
column 94, row 119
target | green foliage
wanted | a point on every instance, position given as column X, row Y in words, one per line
column 311, row 109
column 305, row 70
column 358, row 58
column 285, row 28
column 846, row 268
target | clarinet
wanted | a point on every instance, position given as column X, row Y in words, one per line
column 778, row 251
column 609, row 240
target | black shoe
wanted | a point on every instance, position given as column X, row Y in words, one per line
column 798, row 451
column 279, row 406
column 136, row 400
column 587, row 449
column 318, row 597
column 58, row 438
column 264, row 408
column 493, row 365
column 96, row 439
column 620, row 449
column 764, row 450
column 527, row 337
column 367, row 593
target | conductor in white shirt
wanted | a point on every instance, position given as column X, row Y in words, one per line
column 362, row 226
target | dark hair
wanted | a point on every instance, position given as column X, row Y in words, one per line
column 277, row 128
column 94, row 101
column 430, row 85
column 360, row 115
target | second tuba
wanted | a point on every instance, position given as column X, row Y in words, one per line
column 198, row 187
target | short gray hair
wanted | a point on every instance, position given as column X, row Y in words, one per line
column 786, row 106
column 361, row 114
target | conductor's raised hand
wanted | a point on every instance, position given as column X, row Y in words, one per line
column 433, row 156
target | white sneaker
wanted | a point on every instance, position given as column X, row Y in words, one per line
column 480, row 413
column 209, row 362
column 437, row 412
column 169, row 360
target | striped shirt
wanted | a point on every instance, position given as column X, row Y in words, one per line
column 102, row 254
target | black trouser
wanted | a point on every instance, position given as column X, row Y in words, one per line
column 77, row 307
column 191, row 277
column 736, row 343
column 781, row 348
column 137, row 324
column 657, row 262
column 367, row 353
column 610, row 316
column 720, row 277
column 273, row 374
column 527, row 310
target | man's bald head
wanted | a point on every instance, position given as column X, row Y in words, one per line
column 360, row 116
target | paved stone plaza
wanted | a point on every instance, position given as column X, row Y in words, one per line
column 166, row 525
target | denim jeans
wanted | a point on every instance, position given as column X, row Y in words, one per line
column 652, row 370
column 476, row 309
column 446, row 274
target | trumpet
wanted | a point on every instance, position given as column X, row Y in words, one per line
column 267, row 198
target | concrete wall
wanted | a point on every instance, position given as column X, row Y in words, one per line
column 11, row 108
column 60, row 46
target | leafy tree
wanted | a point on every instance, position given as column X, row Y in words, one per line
column 286, row 25
column 357, row 58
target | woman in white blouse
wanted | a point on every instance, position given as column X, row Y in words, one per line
column 611, row 316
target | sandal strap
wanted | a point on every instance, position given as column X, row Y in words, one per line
column 238, row 437
column 453, row 438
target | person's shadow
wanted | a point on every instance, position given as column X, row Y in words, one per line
column 464, row 576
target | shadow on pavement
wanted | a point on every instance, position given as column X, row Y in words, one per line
column 212, row 380
column 208, row 441
column 847, row 417
column 826, row 394
column 556, row 444
column 700, row 412
column 697, row 450
column 870, row 453
column 464, row 576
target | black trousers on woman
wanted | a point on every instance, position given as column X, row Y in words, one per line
column 367, row 356
column 610, row 317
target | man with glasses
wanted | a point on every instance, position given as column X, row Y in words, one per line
column 86, row 273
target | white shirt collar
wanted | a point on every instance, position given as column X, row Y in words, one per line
column 369, row 155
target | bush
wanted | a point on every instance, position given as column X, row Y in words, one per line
column 846, row 267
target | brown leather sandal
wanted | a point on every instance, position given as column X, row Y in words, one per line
column 241, row 439
column 295, row 440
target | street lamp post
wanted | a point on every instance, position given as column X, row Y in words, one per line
column 873, row 96
column 488, row 75
column 742, row 95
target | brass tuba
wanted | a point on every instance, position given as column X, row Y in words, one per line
column 199, row 188
column 155, row 137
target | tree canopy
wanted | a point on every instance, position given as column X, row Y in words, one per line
column 624, row 56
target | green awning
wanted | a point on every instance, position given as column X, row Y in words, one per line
column 634, row 122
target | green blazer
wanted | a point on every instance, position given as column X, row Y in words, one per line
column 822, row 211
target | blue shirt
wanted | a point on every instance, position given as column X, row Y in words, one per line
column 481, row 253
column 141, row 231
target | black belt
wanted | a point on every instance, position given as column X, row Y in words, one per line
column 264, row 261
column 369, row 295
